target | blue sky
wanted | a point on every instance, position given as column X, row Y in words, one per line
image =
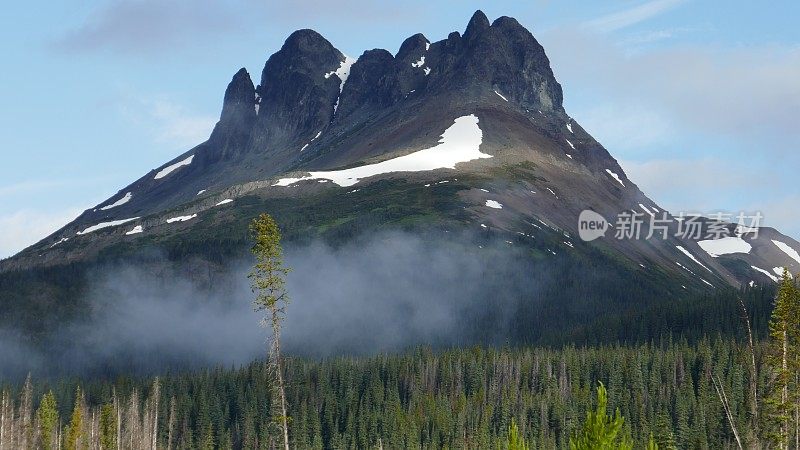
column 698, row 100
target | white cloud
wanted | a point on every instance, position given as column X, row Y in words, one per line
column 176, row 126
column 700, row 179
column 632, row 16
column 19, row 229
column 168, row 122
column 746, row 94
column 781, row 212
column 624, row 127
column 150, row 26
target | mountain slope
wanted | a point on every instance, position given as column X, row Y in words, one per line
column 467, row 135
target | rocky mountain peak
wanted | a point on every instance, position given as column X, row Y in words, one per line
column 476, row 26
column 299, row 86
column 240, row 99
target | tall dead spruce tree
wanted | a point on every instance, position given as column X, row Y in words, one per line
column 268, row 279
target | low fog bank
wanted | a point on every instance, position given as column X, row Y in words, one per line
column 383, row 293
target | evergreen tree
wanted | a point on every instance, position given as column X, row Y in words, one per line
column 601, row 431
column 75, row 437
column 47, row 418
column 515, row 439
column 108, row 427
column 268, row 279
column 782, row 360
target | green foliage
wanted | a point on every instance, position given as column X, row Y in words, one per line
column 515, row 440
column 783, row 361
column 269, row 281
column 601, row 431
column 268, row 276
column 108, row 427
column 47, row 416
column 651, row 443
column 75, row 437
column 462, row 398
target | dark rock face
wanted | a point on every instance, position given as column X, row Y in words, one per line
column 296, row 97
column 372, row 85
column 232, row 133
column 410, row 73
column 503, row 56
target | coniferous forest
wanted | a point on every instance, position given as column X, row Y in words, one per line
column 423, row 399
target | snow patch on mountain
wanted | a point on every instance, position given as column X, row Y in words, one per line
column 615, row 176
column 570, row 144
column 119, row 202
column 494, row 204
column 312, row 139
column 135, row 230
column 181, row 218
column 419, row 63
column 771, row 276
column 60, row 241
column 691, row 256
column 459, row 143
column 500, row 95
column 171, row 168
column 569, row 127
column 343, row 72
column 785, row 248
column 725, row 246
column 102, row 225
column 224, row 202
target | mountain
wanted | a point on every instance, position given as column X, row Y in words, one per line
column 466, row 136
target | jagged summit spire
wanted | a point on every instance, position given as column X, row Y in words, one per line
column 239, row 97
column 477, row 24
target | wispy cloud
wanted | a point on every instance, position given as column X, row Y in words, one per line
column 632, row 16
column 746, row 94
column 167, row 121
column 146, row 26
column 625, row 127
column 176, row 126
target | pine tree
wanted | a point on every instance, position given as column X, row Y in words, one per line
column 268, row 279
column 515, row 439
column 76, row 438
column 108, row 427
column 601, row 431
column 782, row 360
column 47, row 417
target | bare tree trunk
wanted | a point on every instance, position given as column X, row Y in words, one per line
column 171, row 422
column 753, row 375
column 118, row 411
column 785, row 389
column 154, row 404
column 726, row 406
column 279, row 377
column 2, row 420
